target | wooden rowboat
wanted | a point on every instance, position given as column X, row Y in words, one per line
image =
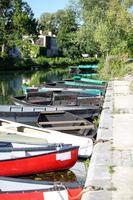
column 51, row 136
column 18, row 158
column 23, row 189
column 70, row 83
column 30, row 113
column 61, row 98
column 43, row 88
column 68, row 123
column 90, row 81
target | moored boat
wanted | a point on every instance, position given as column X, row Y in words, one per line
column 63, row 99
column 68, row 123
column 30, row 113
column 24, row 189
column 83, row 69
column 49, row 88
column 51, row 136
column 90, row 81
column 21, row 158
column 70, row 83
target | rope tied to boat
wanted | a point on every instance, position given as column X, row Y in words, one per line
column 78, row 196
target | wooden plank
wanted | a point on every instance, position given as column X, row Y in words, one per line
column 63, row 122
column 67, row 128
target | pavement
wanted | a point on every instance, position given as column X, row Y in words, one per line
column 110, row 174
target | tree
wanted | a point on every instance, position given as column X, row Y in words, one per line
column 50, row 22
column 67, row 33
column 106, row 26
column 23, row 20
column 5, row 27
column 113, row 32
column 16, row 20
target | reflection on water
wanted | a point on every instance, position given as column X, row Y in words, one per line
column 11, row 82
column 76, row 174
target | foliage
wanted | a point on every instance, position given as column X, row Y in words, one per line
column 66, row 36
column 16, row 20
column 131, row 86
column 23, row 19
column 50, row 22
column 117, row 67
column 62, row 62
column 112, row 32
column 107, row 26
column 102, row 27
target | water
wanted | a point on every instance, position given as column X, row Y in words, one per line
column 11, row 82
column 11, row 85
column 76, row 174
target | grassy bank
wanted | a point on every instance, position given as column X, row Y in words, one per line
column 42, row 63
column 115, row 68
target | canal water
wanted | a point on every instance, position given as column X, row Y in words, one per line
column 11, row 85
column 11, row 82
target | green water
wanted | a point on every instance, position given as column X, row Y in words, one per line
column 11, row 82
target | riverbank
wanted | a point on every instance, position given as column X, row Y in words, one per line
column 42, row 62
column 111, row 166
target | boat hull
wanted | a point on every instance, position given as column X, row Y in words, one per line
column 68, row 194
column 24, row 189
column 53, row 161
column 52, row 136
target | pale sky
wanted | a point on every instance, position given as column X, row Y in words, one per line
column 40, row 6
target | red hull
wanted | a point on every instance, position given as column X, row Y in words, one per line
column 39, row 164
column 69, row 194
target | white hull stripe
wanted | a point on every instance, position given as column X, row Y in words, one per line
column 56, row 195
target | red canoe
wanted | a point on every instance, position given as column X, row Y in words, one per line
column 21, row 189
column 24, row 161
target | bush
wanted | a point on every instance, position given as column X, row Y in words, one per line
column 114, row 67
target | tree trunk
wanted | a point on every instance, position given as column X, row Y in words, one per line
column 3, row 49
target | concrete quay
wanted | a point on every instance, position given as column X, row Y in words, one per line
column 110, row 174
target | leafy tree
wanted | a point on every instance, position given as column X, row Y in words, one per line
column 5, row 25
column 67, row 34
column 51, row 21
column 16, row 20
column 113, row 32
column 92, row 12
column 23, row 19
column 107, row 26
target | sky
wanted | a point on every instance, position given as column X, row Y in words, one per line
column 40, row 6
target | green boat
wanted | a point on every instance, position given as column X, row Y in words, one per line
column 93, row 92
column 88, row 80
column 83, row 69
column 84, row 85
column 88, row 75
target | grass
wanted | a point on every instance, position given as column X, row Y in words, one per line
column 96, row 121
column 131, row 87
column 86, row 163
column 111, row 169
column 117, row 69
column 112, row 188
column 115, row 110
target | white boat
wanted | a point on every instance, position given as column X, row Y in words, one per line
column 50, row 136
